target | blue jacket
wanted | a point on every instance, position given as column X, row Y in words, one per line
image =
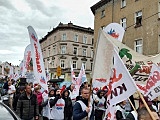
column 79, row 114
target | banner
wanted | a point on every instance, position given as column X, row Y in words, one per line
column 38, row 65
column 72, row 74
column 115, row 30
column 152, row 88
column 26, row 60
column 11, row 72
column 82, row 75
column 139, row 65
column 103, row 61
column 121, row 85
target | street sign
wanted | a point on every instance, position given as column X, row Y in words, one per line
column 59, row 71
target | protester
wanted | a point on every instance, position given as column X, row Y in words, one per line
column 156, row 105
column 16, row 97
column 27, row 106
column 100, row 105
column 46, row 106
column 133, row 114
column 143, row 114
column 81, row 109
column 72, row 95
column 11, row 91
column 68, row 105
column 38, row 93
column 57, row 106
column 120, row 110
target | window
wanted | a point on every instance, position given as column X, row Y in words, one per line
column 138, row 18
column 64, row 36
column 102, row 13
column 49, row 53
column 159, row 10
column 84, row 52
column 158, row 43
column 75, row 64
column 123, row 23
column 84, row 39
column 92, row 41
column 139, row 46
column 52, row 63
column 62, row 64
column 75, row 38
column 84, row 64
column 75, row 50
column 54, row 38
column 54, row 50
column 123, row 3
column 91, row 66
column 63, row 49
column 91, row 53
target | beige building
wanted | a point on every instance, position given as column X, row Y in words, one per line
column 140, row 19
column 65, row 44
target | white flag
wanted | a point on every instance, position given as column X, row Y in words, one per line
column 152, row 88
column 72, row 74
column 38, row 65
column 82, row 75
column 11, row 72
column 103, row 60
column 26, row 60
column 115, row 30
column 121, row 85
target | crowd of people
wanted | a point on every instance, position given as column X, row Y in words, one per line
column 31, row 103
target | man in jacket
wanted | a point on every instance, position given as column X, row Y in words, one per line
column 81, row 109
column 27, row 106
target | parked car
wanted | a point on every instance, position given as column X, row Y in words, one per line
column 6, row 113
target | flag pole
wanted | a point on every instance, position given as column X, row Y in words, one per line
column 132, row 105
column 90, row 93
column 146, row 105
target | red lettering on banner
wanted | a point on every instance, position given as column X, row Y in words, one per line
column 152, row 80
column 37, row 59
column 101, row 80
column 113, row 80
column 34, row 38
column 28, row 59
column 145, row 69
column 60, row 104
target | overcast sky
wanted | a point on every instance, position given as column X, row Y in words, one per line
column 42, row 15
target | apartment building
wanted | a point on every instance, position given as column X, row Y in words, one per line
column 140, row 19
column 68, row 44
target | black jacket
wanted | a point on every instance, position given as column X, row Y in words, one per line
column 27, row 108
column 68, row 109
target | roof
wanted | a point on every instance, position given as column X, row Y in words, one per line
column 67, row 26
column 98, row 5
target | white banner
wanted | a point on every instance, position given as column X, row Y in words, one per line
column 11, row 72
column 38, row 65
column 72, row 74
column 82, row 75
column 26, row 60
column 121, row 85
column 103, row 61
column 115, row 30
column 152, row 88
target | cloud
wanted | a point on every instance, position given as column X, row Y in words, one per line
column 42, row 15
column 5, row 52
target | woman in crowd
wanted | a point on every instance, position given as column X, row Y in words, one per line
column 38, row 93
column 68, row 105
column 46, row 106
column 99, row 105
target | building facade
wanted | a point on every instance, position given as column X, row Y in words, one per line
column 68, row 44
column 140, row 19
